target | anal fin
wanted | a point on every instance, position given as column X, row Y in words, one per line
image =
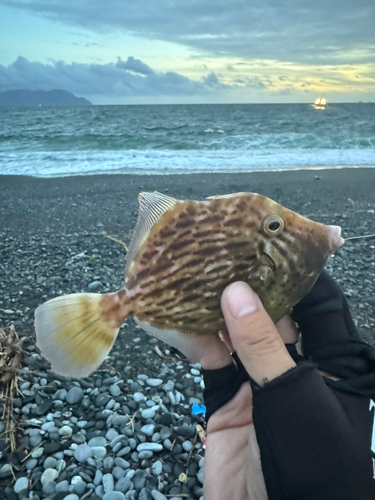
column 183, row 342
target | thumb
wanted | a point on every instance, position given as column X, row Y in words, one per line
column 253, row 334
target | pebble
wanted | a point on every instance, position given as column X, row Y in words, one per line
column 78, row 484
column 113, row 495
column 98, row 478
column 22, row 483
column 72, row 496
column 82, row 453
column 169, row 386
column 37, row 453
column 118, row 472
column 60, row 394
column 124, row 484
column 138, row 397
column 97, row 441
column 148, row 429
column 49, row 488
column 187, row 445
column 50, row 463
column 154, row 382
column 62, row 486
column 115, row 390
column 98, row 451
column 156, row 495
column 74, row 395
column 108, row 482
column 48, row 476
column 157, row 468
column 139, row 479
column 149, row 447
column 120, row 462
column 31, row 463
column 65, row 430
column 95, row 285
column 148, row 413
column 185, row 431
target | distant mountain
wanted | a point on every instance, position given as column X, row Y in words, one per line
column 41, row 98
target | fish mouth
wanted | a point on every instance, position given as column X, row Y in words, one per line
column 271, row 263
column 334, row 238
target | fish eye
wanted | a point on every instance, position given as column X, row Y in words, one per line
column 272, row 225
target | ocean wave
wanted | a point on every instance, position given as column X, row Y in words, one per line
column 45, row 164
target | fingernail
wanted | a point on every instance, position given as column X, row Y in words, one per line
column 241, row 299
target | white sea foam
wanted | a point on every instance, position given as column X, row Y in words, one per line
column 65, row 163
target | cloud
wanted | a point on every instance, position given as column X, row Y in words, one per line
column 123, row 78
column 134, row 65
column 293, row 30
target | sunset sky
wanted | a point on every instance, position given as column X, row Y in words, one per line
column 196, row 51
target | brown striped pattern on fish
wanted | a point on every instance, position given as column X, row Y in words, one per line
column 198, row 247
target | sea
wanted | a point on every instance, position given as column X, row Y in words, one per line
column 167, row 139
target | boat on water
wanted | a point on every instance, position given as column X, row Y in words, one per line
column 320, row 103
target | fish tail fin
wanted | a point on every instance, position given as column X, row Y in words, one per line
column 74, row 333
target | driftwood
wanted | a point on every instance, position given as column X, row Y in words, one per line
column 11, row 355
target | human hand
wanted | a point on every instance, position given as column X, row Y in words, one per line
column 263, row 354
column 308, row 441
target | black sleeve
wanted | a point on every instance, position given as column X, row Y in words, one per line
column 315, row 442
column 330, row 339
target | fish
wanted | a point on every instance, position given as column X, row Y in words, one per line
column 182, row 255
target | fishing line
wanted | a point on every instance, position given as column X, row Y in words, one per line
column 360, row 237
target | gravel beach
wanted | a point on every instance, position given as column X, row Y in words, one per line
column 128, row 432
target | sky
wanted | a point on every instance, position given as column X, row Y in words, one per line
column 195, row 51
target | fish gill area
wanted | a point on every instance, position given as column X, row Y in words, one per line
column 128, row 432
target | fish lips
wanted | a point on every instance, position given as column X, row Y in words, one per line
column 334, row 238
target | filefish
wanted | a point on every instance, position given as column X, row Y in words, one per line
column 182, row 255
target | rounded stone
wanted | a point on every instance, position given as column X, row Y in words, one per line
column 187, row 445
column 108, row 482
column 66, row 431
column 22, row 483
column 62, row 486
column 95, row 285
column 31, row 463
column 74, row 395
column 138, row 397
column 49, row 488
column 148, row 413
column 82, row 453
column 123, row 484
column 72, row 496
column 97, row 441
column 115, row 390
column 156, row 495
column 148, row 429
column 98, row 451
column 154, row 382
column 120, row 462
column 48, row 476
column 113, row 495
column 50, row 463
column 157, row 468
column 149, row 447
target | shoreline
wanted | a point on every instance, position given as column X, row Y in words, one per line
column 181, row 171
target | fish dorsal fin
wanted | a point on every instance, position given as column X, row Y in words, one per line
column 226, row 196
column 151, row 206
